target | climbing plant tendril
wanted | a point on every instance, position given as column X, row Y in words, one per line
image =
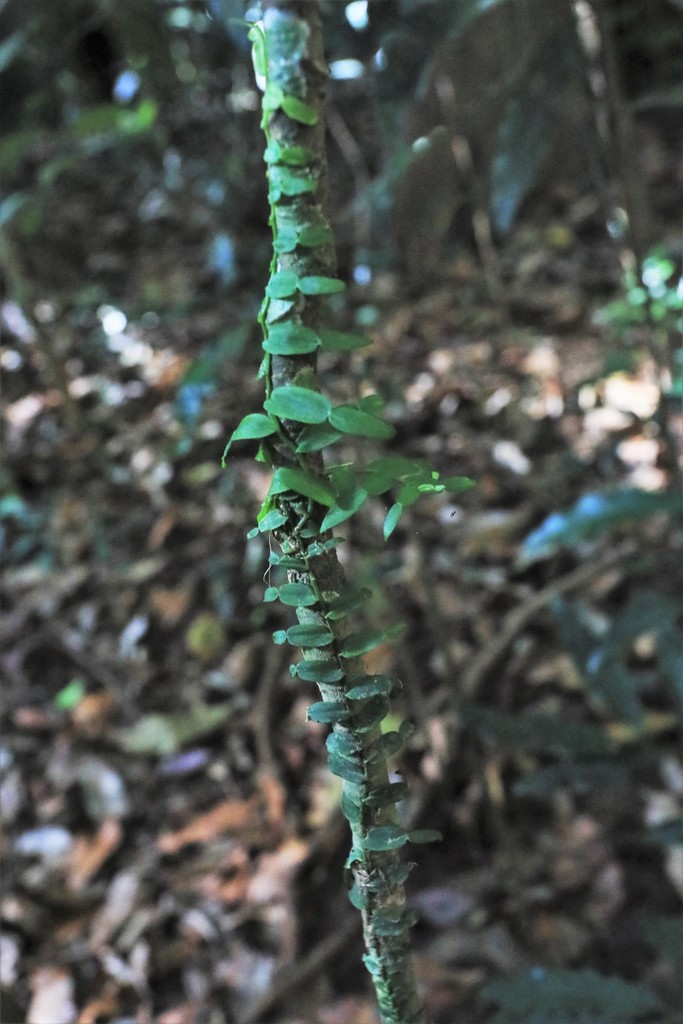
column 308, row 498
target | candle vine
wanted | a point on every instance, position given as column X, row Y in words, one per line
column 308, row 498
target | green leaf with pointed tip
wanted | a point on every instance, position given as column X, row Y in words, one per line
column 386, row 837
column 361, row 642
column 316, row 437
column 315, row 234
column 373, row 403
column 270, row 594
column 271, row 521
column 391, row 520
column 254, row 425
column 346, row 770
column 351, row 420
column 424, row 835
column 455, row 484
column 340, row 513
column 313, row 487
column 370, row 686
column 301, row 404
column 290, row 339
column 298, row 110
column 327, row 712
column 314, row 671
column 342, row 341
column 309, row 635
column 282, row 284
column 317, row 284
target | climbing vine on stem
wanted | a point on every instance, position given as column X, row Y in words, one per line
column 308, row 498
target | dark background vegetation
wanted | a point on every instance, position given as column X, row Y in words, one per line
column 506, row 193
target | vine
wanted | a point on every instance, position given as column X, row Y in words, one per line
column 307, row 499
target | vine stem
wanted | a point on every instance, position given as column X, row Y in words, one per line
column 290, row 51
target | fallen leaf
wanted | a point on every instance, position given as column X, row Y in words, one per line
column 170, row 603
column 166, row 734
column 87, row 855
column 229, row 816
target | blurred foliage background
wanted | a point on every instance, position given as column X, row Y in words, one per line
column 506, row 189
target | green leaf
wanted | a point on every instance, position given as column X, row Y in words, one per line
column 290, row 339
column 327, row 712
column 341, row 512
column 388, row 744
column 270, row 594
column 386, row 837
column 384, row 796
column 298, row 110
column 282, row 284
column 455, row 484
column 280, row 637
column 309, row 635
column 315, row 234
column 285, row 241
column 272, row 520
column 254, row 425
column 296, row 403
column 370, row 686
column 346, row 770
column 343, row 744
column 391, row 519
column 319, row 285
column 351, row 420
column 361, row 642
column 287, row 182
column 313, row 487
column 70, row 695
column 369, row 716
column 351, row 810
column 420, row 836
column 273, row 97
column 316, row 437
column 297, row 595
column 296, row 156
column 342, row 341
column 319, row 671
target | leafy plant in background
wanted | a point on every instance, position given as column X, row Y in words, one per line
column 307, row 499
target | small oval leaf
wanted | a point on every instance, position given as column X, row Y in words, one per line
column 351, row 420
column 298, row 110
column 282, row 284
column 370, row 686
column 391, row 520
column 314, row 671
column 296, row 595
column 342, row 341
column 290, row 339
column 296, row 403
column 316, row 437
column 319, row 285
column 327, row 712
column 361, row 642
column 313, row 487
column 309, row 636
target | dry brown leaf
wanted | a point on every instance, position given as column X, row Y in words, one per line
column 91, row 715
column 170, row 603
column 161, row 528
column 87, row 855
column 229, row 816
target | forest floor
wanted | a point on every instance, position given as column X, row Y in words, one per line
column 173, row 843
